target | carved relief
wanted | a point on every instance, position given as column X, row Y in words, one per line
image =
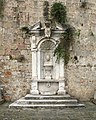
column 48, row 64
column 47, row 29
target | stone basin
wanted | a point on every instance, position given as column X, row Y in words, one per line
column 48, row 88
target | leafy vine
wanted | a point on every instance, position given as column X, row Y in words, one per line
column 46, row 10
column 2, row 3
column 58, row 14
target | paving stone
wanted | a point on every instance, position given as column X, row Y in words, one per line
column 88, row 113
column 81, row 75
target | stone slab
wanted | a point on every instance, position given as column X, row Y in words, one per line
column 47, row 96
column 45, row 101
column 45, row 105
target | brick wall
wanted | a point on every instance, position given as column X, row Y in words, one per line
column 15, row 50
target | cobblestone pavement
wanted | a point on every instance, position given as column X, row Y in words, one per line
column 82, row 113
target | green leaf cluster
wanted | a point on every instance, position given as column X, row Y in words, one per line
column 46, row 10
column 63, row 49
column 2, row 3
column 58, row 14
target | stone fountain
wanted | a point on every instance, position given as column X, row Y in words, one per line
column 48, row 81
column 47, row 75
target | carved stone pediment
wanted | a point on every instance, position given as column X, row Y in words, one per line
column 59, row 27
column 38, row 26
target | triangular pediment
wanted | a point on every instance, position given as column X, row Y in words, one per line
column 59, row 27
column 38, row 26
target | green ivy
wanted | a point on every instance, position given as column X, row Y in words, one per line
column 58, row 14
column 78, row 32
column 63, row 49
column 46, row 10
column 2, row 3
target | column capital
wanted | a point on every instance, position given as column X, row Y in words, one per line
column 34, row 50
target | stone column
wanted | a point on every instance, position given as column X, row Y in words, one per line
column 61, row 71
column 39, row 65
column 34, row 64
column 57, row 71
column 0, row 94
column 34, row 85
column 61, row 79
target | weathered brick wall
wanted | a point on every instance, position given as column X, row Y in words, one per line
column 15, row 71
column 81, row 72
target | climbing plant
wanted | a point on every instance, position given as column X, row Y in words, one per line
column 46, row 10
column 58, row 14
column 2, row 3
column 63, row 49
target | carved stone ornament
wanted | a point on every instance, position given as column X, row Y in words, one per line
column 47, row 29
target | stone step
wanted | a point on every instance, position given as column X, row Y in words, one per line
column 57, row 97
column 34, row 101
column 45, row 101
column 15, row 105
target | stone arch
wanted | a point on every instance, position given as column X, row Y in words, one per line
column 45, row 50
column 46, row 42
column 47, row 45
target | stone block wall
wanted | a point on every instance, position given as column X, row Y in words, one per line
column 15, row 49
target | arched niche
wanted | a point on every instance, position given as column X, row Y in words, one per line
column 47, row 75
column 46, row 58
column 47, row 43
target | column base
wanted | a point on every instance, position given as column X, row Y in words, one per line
column 61, row 92
column 34, row 92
